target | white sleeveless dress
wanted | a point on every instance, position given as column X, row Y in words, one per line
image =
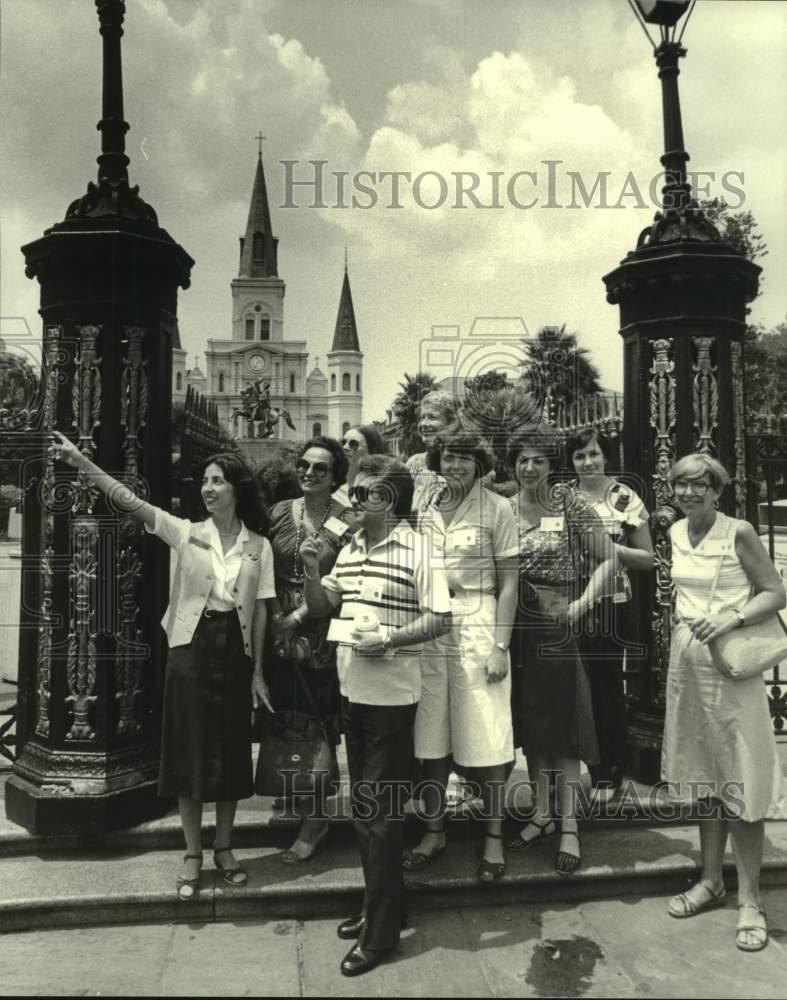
column 718, row 734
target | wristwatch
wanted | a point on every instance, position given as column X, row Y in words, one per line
column 740, row 615
column 502, row 646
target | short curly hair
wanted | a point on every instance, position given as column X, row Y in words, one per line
column 395, row 480
column 439, row 399
column 461, row 441
column 539, row 437
column 697, row 464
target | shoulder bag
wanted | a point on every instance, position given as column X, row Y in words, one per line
column 297, row 757
column 747, row 650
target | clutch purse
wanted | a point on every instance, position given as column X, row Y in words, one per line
column 748, row 650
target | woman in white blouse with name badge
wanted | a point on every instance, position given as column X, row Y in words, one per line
column 215, row 626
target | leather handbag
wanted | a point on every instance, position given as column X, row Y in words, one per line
column 748, row 650
column 296, row 755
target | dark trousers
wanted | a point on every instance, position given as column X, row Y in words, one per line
column 602, row 647
column 379, row 759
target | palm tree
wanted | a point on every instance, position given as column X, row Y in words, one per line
column 405, row 409
column 557, row 370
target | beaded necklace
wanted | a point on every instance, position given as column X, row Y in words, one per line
column 296, row 571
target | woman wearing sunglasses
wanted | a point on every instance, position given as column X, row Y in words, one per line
column 357, row 443
column 320, row 468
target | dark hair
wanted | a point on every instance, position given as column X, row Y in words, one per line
column 337, row 453
column 539, row 437
column 248, row 499
column 372, row 437
column 397, row 483
column 582, row 438
column 461, row 441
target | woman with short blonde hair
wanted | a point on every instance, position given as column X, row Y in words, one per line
column 717, row 731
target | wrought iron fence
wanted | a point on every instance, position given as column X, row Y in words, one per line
column 201, row 437
column 767, row 511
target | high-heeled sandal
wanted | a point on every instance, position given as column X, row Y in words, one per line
column 188, row 888
column 491, row 871
column 294, row 857
column 565, row 863
column 234, row 877
column 519, row 844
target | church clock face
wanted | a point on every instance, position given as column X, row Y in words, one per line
column 257, row 363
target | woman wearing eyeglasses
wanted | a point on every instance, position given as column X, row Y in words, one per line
column 718, row 739
column 358, row 442
column 298, row 637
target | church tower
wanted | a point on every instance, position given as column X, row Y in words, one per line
column 345, row 367
column 258, row 291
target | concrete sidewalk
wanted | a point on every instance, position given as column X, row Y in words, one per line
column 610, row 948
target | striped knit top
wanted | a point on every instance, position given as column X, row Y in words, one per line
column 694, row 569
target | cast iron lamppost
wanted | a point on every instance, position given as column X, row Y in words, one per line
column 682, row 295
column 91, row 655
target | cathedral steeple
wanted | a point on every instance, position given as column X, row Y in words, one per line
column 259, row 247
column 345, row 337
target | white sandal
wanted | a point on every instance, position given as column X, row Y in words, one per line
column 683, row 905
column 752, row 931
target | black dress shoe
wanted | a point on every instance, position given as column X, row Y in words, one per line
column 359, row 960
column 350, row 929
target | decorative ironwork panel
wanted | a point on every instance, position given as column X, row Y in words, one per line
column 705, row 397
column 86, row 406
column 739, row 418
column 81, row 662
column 129, row 643
column 662, row 422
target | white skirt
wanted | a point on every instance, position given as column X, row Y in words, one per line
column 460, row 713
column 718, row 735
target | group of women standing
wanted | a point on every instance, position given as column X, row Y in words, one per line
column 533, row 660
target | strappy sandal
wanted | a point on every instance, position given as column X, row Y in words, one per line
column 565, row 863
column 751, row 934
column 413, row 860
column 188, row 888
column 292, row 856
column 682, row 905
column 519, row 844
column 491, row 871
column 234, row 877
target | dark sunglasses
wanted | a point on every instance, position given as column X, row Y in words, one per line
column 362, row 494
column 317, row 469
column 353, row 445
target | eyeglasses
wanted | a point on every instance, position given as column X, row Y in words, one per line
column 318, row 469
column 700, row 487
column 363, row 494
column 352, row 444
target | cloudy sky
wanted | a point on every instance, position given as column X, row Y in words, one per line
column 445, row 86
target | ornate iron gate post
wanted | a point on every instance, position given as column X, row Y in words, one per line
column 682, row 295
column 91, row 650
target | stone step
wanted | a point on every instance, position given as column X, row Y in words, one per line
column 133, row 885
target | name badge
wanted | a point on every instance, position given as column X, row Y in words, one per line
column 199, row 543
column 552, row 523
column 336, row 526
column 464, row 538
column 717, row 547
column 371, row 591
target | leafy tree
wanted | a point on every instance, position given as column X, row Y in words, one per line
column 405, row 409
column 276, row 476
column 555, row 364
column 497, row 407
column 766, row 371
column 739, row 229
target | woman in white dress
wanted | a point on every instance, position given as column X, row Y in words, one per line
column 718, row 738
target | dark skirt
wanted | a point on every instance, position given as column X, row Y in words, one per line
column 602, row 646
column 550, row 696
column 206, row 725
